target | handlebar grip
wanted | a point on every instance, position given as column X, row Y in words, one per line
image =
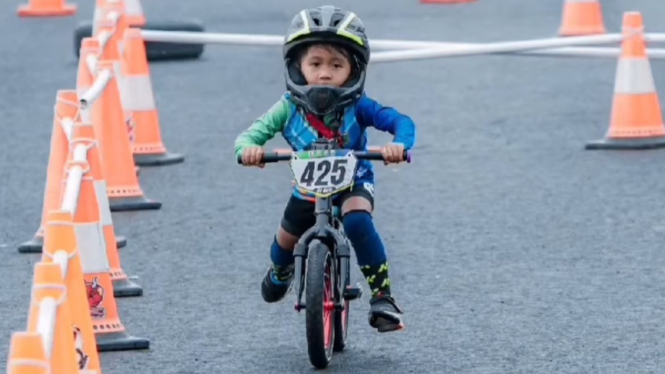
column 276, row 157
column 270, row 157
column 379, row 157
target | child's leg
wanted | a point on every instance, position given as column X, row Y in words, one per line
column 298, row 217
column 372, row 258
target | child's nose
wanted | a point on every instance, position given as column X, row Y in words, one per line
column 325, row 74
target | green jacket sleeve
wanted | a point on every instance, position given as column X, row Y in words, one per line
column 264, row 128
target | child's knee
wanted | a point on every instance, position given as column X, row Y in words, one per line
column 285, row 239
column 358, row 225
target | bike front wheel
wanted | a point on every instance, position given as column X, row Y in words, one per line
column 320, row 301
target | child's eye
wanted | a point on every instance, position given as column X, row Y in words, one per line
column 315, row 64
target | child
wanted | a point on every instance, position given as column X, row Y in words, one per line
column 326, row 53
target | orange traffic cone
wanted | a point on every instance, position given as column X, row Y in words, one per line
column 582, row 17
column 49, row 295
column 60, row 241
column 83, row 134
column 46, row 8
column 134, row 12
column 85, row 77
column 110, row 333
column 139, row 102
column 107, row 115
column 66, row 105
column 27, row 355
column 637, row 120
column 115, row 28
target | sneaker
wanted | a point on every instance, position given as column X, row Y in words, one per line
column 384, row 314
column 273, row 289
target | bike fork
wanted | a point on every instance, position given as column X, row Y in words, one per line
column 344, row 284
column 300, row 256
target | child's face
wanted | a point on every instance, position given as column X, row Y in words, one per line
column 325, row 66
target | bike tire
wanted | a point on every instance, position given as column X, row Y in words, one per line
column 342, row 318
column 319, row 264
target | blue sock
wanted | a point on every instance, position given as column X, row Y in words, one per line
column 359, row 228
column 371, row 253
column 281, row 260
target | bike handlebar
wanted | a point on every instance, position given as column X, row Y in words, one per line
column 269, row 157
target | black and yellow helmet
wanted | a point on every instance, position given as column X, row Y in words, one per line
column 326, row 24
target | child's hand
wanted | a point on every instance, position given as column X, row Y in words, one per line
column 252, row 156
column 393, row 153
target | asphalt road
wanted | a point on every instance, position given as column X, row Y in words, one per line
column 513, row 250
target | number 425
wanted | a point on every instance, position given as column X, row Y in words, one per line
column 337, row 171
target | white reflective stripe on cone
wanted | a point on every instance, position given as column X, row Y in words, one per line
column 92, row 248
column 21, row 363
column 634, row 77
column 103, row 203
column 137, row 94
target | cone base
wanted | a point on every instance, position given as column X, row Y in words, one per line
column 126, row 288
column 32, row 246
column 66, row 10
column 120, row 342
column 158, row 159
column 36, row 244
column 626, row 143
column 120, row 241
column 133, row 203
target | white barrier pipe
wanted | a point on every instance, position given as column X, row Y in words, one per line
column 97, row 88
column 103, row 38
column 381, row 44
column 655, row 38
column 73, row 183
column 190, row 37
column 72, row 189
column 91, row 61
column 655, row 53
column 439, row 52
column 67, row 125
column 563, row 51
column 62, row 258
column 113, row 17
column 46, row 323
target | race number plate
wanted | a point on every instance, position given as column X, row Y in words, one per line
column 324, row 172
